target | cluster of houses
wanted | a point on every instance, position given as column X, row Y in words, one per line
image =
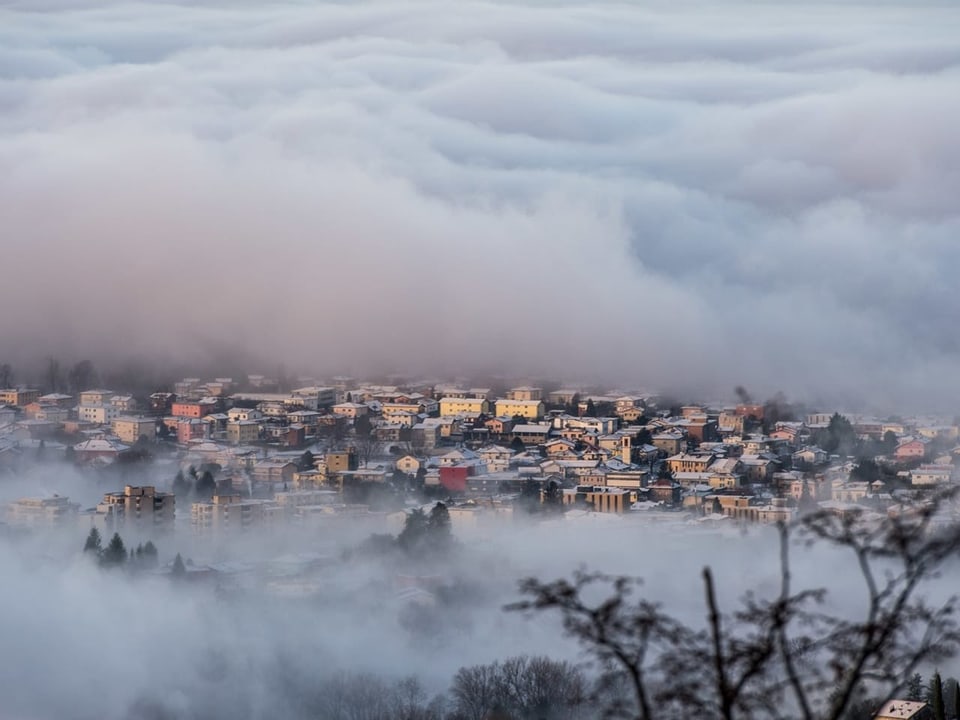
column 283, row 455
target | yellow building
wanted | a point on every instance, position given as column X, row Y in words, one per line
column 529, row 409
column 601, row 499
column 21, row 397
column 463, row 406
column 129, row 429
column 230, row 513
column 525, row 392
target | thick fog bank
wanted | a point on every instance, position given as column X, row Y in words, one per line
column 684, row 195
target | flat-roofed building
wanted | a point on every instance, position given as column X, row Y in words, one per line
column 230, row 513
column 140, row 507
column 42, row 512
column 130, row 429
column 464, row 406
column 530, row 409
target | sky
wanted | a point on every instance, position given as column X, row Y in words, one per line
column 666, row 194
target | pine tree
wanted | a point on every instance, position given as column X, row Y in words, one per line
column 206, row 486
column 438, row 526
column 181, row 488
column 806, row 502
column 553, row 497
column 414, row 530
column 94, row 542
column 178, row 570
column 150, row 554
column 915, row 688
column 115, row 552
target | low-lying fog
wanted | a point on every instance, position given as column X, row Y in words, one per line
column 85, row 642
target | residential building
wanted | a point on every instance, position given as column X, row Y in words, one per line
column 905, row 710
column 929, row 475
column 273, row 471
column 314, row 397
column 96, row 397
column 161, row 403
column 425, row 436
column 408, row 464
column 531, row 434
column 911, row 448
column 340, row 461
column 496, row 458
column 99, row 414
column 98, row 449
column 230, row 513
column 684, row 462
column 241, row 432
column 464, row 406
column 189, row 429
column 350, row 410
column 529, row 409
column 525, row 393
column 124, row 403
column 238, row 413
column 19, row 397
column 142, row 508
column 130, row 429
column 601, row 499
column 669, row 442
column 193, row 408
column 59, row 399
column 42, row 512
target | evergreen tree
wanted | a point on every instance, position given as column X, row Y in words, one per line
column 178, row 570
column 935, row 697
column 150, row 554
column 438, row 526
column 306, row 460
column 553, row 497
column 591, row 408
column 115, row 552
column 806, row 502
column 181, row 488
column 952, row 697
column 529, row 499
column 915, row 688
column 517, row 445
column 414, row 530
column 94, row 542
column 206, row 486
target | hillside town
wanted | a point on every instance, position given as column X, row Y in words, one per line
column 220, row 456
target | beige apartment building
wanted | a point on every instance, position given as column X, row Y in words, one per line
column 130, row 429
column 231, row 513
column 525, row 392
column 42, row 512
column 20, row 397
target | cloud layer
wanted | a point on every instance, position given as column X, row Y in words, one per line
column 677, row 194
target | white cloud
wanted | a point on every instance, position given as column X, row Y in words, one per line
column 675, row 195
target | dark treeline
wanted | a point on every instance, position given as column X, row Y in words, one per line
column 518, row 688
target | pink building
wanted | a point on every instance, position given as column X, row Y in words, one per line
column 191, row 429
